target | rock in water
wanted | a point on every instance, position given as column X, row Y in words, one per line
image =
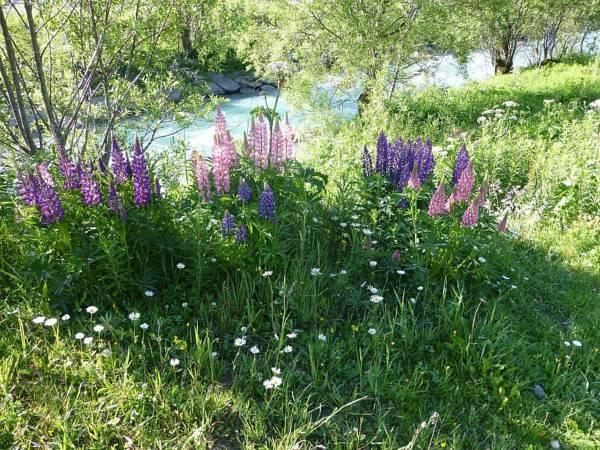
column 224, row 82
column 539, row 391
column 555, row 444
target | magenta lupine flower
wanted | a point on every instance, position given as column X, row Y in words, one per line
column 47, row 202
column 113, row 198
column 288, row 139
column 227, row 225
column 462, row 159
column 244, row 192
column 68, row 169
column 118, row 163
column 90, row 188
column 234, row 158
column 266, row 203
column 241, row 234
column 45, row 174
column 26, row 188
column 471, row 215
column 201, row 173
column 465, row 184
column 414, row 182
column 226, row 139
column 220, row 122
column 503, row 225
column 220, row 166
column 278, row 153
column 141, row 177
column 367, row 163
column 437, row 205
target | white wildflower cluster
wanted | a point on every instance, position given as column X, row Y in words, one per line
column 275, row 381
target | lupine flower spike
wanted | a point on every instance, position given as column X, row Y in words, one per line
column 471, row 215
column 26, row 188
column 414, row 182
column 462, row 159
column 141, row 178
column 68, row 169
column 227, row 224
column 367, row 163
column 465, row 184
column 45, row 174
column 113, row 198
column 118, row 164
column 266, row 204
column 437, row 205
column 47, row 202
column 90, row 188
column 201, row 174
column 241, row 234
column 244, row 191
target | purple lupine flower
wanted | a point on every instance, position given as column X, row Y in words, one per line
column 406, row 161
column 471, row 215
column 381, row 160
column 220, row 166
column 465, row 184
column 129, row 171
column 45, row 174
column 266, row 203
column 462, row 159
column 244, row 192
column 201, row 173
column 227, row 225
column 119, row 165
column 241, row 233
column 157, row 190
column 503, row 225
column 250, row 138
column 101, row 166
column 394, row 160
column 47, row 202
column 122, row 212
column 113, row 198
column 437, row 205
column 425, row 160
column 26, row 188
column 90, row 188
column 68, row 169
column 141, row 178
column 288, row 139
column 367, row 163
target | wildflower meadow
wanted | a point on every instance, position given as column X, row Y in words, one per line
column 425, row 275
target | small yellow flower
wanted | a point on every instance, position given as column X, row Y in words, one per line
column 355, row 328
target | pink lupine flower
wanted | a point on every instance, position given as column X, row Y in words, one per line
column 260, row 154
column 437, row 205
column 288, row 139
column 201, row 173
column 278, row 151
column 471, row 215
column 220, row 163
column 414, row 182
column 502, row 226
column 230, row 152
column 464, row 185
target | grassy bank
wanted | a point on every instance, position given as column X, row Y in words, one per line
column 470, row 320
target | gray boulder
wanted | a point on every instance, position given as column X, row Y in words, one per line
column 224, row 82
column 247, row 90
column 214, row 89
column 175, row 95
column 268, row 89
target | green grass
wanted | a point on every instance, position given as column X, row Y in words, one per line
column 463, row 359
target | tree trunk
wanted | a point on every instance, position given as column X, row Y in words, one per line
column 186, row 43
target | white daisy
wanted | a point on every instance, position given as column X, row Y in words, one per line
column 174, row 362
column 180, row 266
column 577, row 343
column 38, row 320
column 65, row 317
column 88, row 340
column 91, row 310
column 315, row 271
column 376, row 298
column 239, row 341
column 79, row 336
column 371, row 331
column 144, row 326
column 50, row 322
column 322, row 337
column 134, row 316
column 267, row 273
column 287, row 349
column 149, row 293
column 373, row 263
column 99, row 328
column 254, row 350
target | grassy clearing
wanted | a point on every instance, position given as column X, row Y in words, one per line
column 456, row 368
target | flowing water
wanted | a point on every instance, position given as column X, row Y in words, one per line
column 443, row 71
